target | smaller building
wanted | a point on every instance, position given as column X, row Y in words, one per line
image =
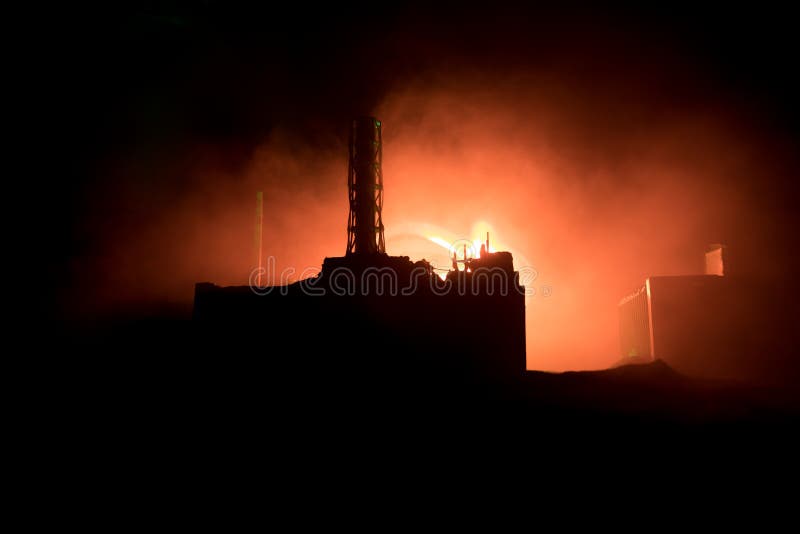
column 712, row 325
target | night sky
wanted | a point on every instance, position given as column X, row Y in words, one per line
column 601, row 145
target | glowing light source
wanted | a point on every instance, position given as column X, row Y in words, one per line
column 439, row 241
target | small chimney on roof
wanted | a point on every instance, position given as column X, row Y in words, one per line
column 715, row 259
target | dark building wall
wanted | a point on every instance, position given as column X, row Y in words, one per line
column 436, row 328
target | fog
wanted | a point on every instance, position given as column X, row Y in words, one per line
column 594, row 175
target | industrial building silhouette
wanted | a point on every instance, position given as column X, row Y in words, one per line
column 368, row 313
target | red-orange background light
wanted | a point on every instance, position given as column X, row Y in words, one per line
column 594, row 193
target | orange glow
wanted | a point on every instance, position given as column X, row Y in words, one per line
column 591, row 208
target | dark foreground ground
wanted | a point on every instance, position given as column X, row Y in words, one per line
column 166, row 381
column 144, row 416
column 174, row 412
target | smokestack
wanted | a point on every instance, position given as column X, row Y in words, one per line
column 365, row 188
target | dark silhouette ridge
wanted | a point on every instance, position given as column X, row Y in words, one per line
column 165, row 373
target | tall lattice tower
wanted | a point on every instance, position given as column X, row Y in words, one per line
column 365, row 186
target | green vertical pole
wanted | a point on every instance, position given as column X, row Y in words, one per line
column 259, row 232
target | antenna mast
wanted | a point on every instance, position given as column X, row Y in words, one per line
column 259, row 234
column 365, row 188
